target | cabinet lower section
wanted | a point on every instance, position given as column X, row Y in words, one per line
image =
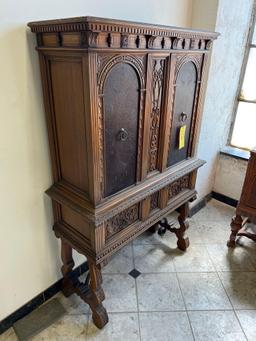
column 115, row 224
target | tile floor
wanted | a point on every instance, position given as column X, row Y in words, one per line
column 207, row 293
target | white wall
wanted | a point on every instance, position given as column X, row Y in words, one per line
column 230, row 175
column 227, row 56
column 29, row 251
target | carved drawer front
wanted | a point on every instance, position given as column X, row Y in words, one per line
column 178, row 186
column 182, row 115
column 122, row 220
column 121, row 117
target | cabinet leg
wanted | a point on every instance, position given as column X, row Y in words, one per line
column 68, row 264
column 99, row 313
column 183, row 242
column 90, row 291
column 236, row 225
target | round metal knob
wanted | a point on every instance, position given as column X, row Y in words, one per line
column 122, row 135
column 183, row 116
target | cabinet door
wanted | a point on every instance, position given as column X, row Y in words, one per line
column 121, row 116
column 183, row 106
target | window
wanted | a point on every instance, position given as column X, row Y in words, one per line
column 243, row 133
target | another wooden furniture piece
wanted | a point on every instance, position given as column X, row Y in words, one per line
column 123, row 103
column 246, row 208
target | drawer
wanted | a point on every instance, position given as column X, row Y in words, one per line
column 144, row 211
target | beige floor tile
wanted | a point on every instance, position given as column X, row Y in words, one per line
column 153, row 258
column 215, row 325
column 120, row 293
column 230, row 259
column 121, row 327
column 215, row 211
column 194, row 232
column 247, row 319
column 165, row 326
column 203, row 291
column 9, row 335
column 241, row 288
column 213, row 232
column 195, row 259
column 121, row 262
column 159, row 292
column 68, row 328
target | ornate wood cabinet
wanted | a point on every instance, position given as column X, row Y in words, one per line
column 246, row 207
column 122, row 103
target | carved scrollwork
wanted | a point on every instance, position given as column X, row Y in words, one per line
column 178, row 186
column 92, row 39
column 208, row 45
column 122, row 220
column 157, row 89
column 182, row 59
column 124, row 40
column 178, row 44
column 135, row 61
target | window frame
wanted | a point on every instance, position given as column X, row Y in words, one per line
column 238, row 99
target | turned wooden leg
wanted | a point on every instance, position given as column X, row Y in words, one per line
column 236, row 225
column 99, row 313
column 183, row 242
column 68, row 264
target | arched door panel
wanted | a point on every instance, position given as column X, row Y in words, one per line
column 182, row 112
column 120, row 120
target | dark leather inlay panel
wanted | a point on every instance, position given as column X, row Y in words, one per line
column 121, row 115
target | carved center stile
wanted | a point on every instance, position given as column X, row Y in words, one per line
column 157, row 89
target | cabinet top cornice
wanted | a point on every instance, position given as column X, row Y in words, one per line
column 95, row 24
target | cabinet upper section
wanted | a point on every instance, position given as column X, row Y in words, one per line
column 91, row 32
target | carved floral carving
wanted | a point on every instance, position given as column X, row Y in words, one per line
column 157, row 89
column 122, row 220
column 178, row 186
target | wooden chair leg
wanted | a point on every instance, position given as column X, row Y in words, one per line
column 236, row 225
column 68, row 264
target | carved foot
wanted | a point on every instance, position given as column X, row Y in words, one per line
column 100, row 316
column 92, row 293
column 68, row 264
column 236, row 225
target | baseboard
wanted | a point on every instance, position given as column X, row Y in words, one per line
column 225, row 199
column 38, row 300
column 199, row 205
